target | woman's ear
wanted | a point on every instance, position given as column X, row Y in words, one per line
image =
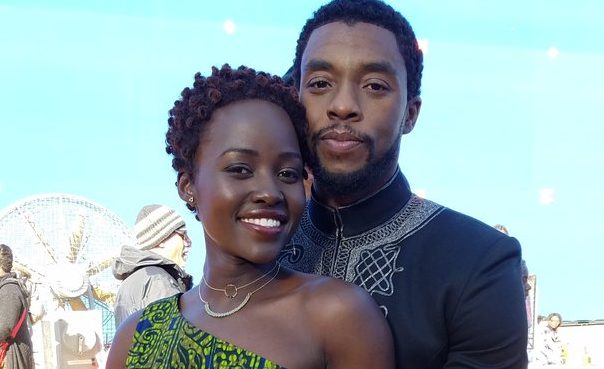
column 185, row 188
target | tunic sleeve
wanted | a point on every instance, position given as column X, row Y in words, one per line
column 489, row 328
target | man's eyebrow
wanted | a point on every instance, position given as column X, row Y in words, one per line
column 379, row 67
column 314, row 65
column 369, row 67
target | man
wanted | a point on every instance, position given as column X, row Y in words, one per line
column 14, row 328
column 152, row 269
column 448, row 284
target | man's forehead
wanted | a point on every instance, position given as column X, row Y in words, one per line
column 340, row 33
column 362, row 44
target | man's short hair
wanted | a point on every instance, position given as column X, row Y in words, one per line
column 374, row 12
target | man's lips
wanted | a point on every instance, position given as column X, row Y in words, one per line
column 340, row 136
column 341, row 141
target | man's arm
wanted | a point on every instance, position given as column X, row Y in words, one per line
column 158, row 286
column 145, row 286
column 488, row 327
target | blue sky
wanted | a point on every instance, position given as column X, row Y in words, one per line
column 510, row 130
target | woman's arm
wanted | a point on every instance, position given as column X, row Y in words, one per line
column 122, row 342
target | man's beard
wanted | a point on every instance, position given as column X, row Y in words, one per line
column 350, row 184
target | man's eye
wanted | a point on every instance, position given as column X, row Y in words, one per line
column 318, row 84
column 377, row 87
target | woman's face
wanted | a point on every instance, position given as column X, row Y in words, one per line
column 554, row 322
column 247, row 180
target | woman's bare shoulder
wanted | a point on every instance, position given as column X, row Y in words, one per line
column 122, row 341
column 348, row 321
column 326, row 296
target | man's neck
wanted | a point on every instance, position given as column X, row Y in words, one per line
column 340, row 200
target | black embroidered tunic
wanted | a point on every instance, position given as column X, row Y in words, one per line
column 449, row 285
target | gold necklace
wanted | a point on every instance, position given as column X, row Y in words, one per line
column 230, row 290
column 215, row 314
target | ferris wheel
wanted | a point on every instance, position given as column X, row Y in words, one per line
column 64, row 246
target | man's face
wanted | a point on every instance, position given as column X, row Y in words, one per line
column 176, row 247
column 353, row 85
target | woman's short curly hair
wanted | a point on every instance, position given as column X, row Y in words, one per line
column 374, row 12
column 191, row 113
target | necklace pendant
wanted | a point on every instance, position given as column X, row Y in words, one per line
column 230, row 290
column 215, row 314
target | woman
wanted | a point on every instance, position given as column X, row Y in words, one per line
column 238, row 145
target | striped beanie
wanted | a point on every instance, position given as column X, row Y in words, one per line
column 154, row 224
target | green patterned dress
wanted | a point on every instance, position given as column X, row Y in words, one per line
column 164, row 339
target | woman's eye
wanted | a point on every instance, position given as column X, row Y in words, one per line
column 238, row 170
column 290, row 175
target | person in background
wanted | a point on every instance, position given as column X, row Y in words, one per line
column 439, row 276
column 548, row 346
column 501, row 228
column 153, row 268
column 237, row 140
column 14, row 329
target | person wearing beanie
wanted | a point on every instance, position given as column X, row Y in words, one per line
column 152, row 268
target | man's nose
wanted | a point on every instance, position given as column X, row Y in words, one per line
column 345, row 104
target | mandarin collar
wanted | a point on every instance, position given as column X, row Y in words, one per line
column 364, row 214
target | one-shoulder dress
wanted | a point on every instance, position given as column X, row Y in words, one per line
column 165, row 339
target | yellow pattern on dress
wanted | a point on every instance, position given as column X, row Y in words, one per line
column 164, row 339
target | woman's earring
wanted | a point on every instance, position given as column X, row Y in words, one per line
column 191, row 199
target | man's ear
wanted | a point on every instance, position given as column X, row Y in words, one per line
column 185, row 188
column 412, row 113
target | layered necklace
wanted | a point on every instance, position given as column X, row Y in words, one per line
column 230, row 290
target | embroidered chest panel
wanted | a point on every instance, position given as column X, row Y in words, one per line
column 368, row 259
